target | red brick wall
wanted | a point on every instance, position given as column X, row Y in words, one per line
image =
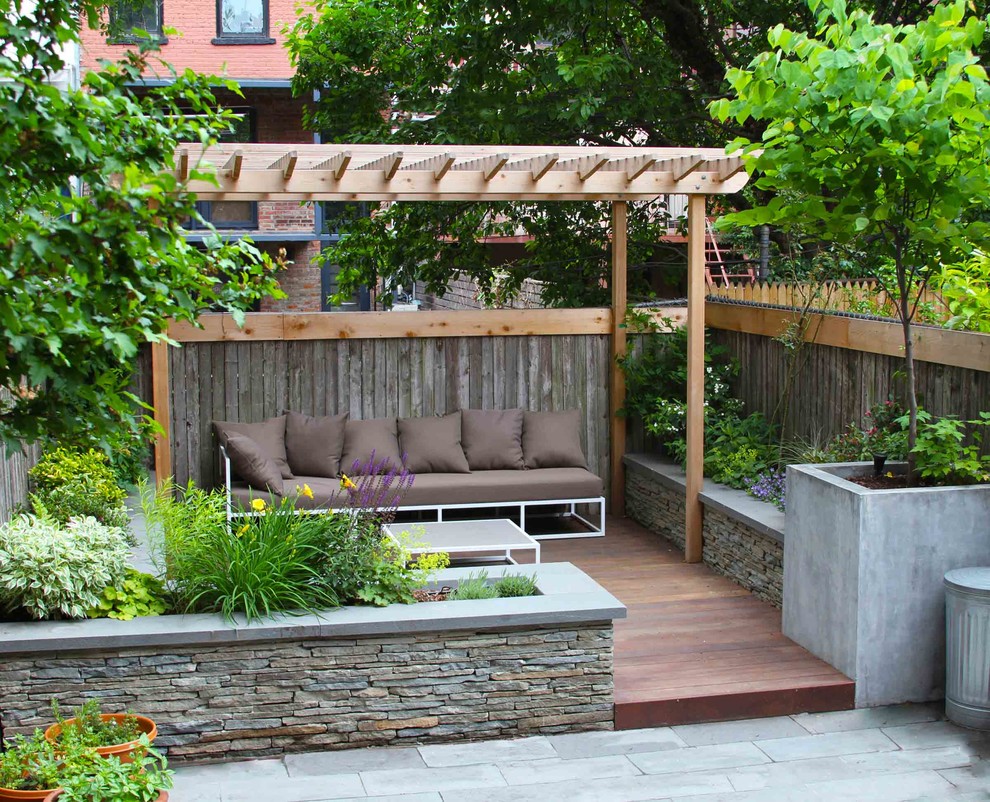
column 196, row 21
column 300, row 280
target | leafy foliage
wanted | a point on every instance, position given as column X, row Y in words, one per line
column 75, row 484
column 965, row 288
column 513, row 585
column 883, row 432
column 876, row 139
column 137, row 594
column 945, row 455
column 88, row 729
column 473, row 587
column 54, row 571
column 86, row 277
column 31, row 763
column 111, row 780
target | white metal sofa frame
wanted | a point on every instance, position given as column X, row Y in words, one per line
column 440, row 509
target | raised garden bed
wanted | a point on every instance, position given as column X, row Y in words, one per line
column 354, row 676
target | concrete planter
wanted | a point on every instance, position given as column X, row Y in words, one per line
column 863, row 574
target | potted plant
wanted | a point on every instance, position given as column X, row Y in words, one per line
column 144, row 778
column 106, row 733
column 30, row 768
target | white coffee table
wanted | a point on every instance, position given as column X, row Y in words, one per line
column 467, row 537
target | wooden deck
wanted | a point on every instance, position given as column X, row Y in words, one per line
column 696, row 646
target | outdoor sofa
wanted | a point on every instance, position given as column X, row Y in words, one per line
column 513, row 460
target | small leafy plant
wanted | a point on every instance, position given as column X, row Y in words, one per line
column 513, row 585
column 883, row 432
column 110, row 780
column 137, row 594
column 942, row 453
column 75, row 484
column 31, row 763
column 55, row 571
column 474, row 586
column 86, row 728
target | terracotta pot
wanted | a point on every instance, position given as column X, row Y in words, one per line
column 54, row 795
column 121, row 751
column 9, row 795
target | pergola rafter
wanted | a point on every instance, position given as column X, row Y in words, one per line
column 495, row 173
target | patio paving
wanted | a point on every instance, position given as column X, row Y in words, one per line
column 892, row 754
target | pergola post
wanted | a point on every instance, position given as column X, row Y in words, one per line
column 695, row 379
column 162, row 413
column 617, row 439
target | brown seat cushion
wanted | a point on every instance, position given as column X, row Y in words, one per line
column 433, row 445
column 249, row 461
column 364, row 438
column 269, row 435
column 482, row 487
column 492, row 438
column 313, row 445
column 553, row 439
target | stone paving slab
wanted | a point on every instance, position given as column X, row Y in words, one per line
column 895, row 754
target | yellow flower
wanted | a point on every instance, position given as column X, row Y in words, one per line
column 306, row 491
column 258, row 505
column 243, row 529
column 346, row 483
column 890, row 474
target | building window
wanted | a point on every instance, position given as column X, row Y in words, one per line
column 232, row 214
column 242, row 22
column 126, row 16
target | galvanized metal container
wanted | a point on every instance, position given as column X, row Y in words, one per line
column 967, row 642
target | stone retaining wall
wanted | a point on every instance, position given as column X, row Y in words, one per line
column 270, row 698
column 743, row 537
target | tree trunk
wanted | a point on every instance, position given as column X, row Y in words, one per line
column 912, row 398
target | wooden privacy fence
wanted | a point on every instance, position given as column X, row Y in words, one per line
column 14, row 484
column 846, row 365
column 382, row 365
column 863, row 297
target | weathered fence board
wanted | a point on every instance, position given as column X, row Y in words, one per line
column 836, row 386
column 369, row 378
column 14, row 479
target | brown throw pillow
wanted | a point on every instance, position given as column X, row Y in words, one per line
column 553, row 439
column 362, row 438
column 433, row 445
column 314, row 445
column 492, row 439
column 269, row 436
column 249, row 462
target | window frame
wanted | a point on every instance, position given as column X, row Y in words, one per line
column 262, row 38
column 129, row 38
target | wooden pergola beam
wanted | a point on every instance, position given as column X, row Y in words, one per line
column 584, row 166
column 286, row 164
column 233, row 165
column 682, row 166
column 182, row 164
column 538, row 166
column 634, row 166
column 488, row 165
column 389, row 164
column 727, row 167
column 439, row 165
column 337, row 164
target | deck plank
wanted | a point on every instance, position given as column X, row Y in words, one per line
column 695, row 646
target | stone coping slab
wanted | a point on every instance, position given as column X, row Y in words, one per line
column 737, row 504
column 567, row 596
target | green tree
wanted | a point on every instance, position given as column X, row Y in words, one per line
column 877, row 138
column 86, row 277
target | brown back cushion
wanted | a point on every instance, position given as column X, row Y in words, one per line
column 313, row 445
column 553, row 439
column 269, row 436
column 364, row 437
column 492, row 439
column 250, row 462
column 433, row 445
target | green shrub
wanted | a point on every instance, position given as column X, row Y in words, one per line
column 884, row 431
column 943, row 455
column 137, row 594
column 110, row 780
column 512, row 585
column 55, row 571
column 30, row 763
column 256, row 566
column 75, row 484
column 474, row 586
column 90, row 730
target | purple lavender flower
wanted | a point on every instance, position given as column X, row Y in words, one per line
column 771, row 487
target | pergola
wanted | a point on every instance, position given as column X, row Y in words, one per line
column 504, row 173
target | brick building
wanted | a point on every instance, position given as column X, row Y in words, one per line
column 241, row 40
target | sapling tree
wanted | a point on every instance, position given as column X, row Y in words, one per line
column 86, row 276
column 877, row 139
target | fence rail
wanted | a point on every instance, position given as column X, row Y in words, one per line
column 404, row 377
column 864, row 297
